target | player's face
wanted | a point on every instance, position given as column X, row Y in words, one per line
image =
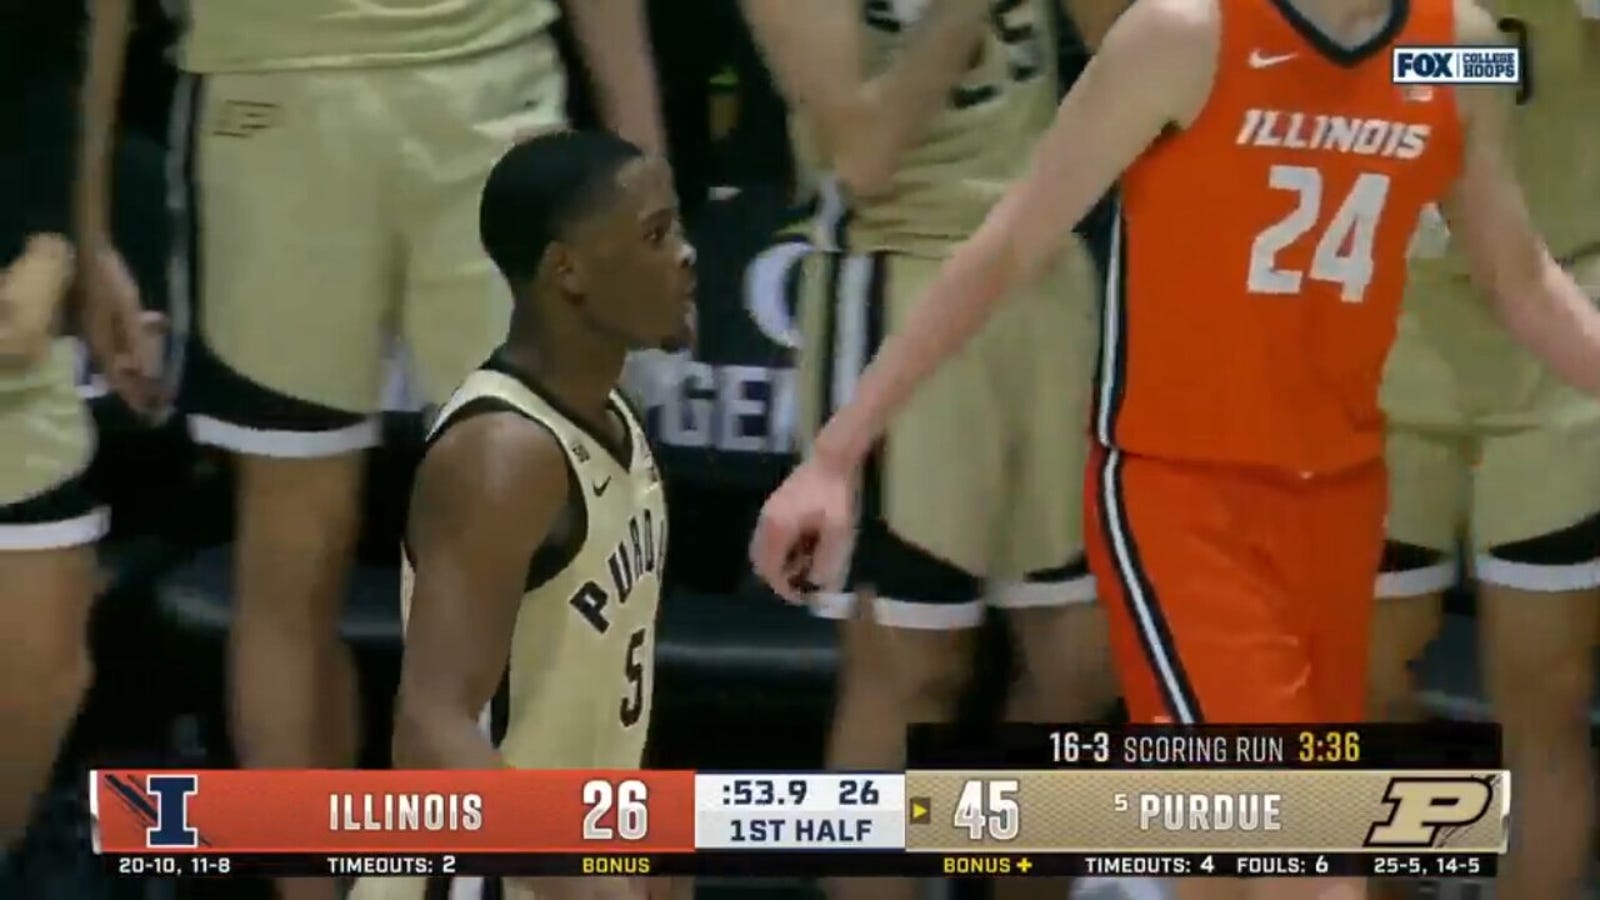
column 640, row 269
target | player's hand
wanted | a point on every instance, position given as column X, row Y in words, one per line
column 31, row 290
column 803, row 539
column 124, row 339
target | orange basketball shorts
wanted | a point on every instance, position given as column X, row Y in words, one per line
column 1235, row 595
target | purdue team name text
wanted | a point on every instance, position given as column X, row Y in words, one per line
column 405, row 812
column 1183, row 811
column 635, row 556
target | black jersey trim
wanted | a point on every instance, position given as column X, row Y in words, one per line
column 1345, row 55
column 625, row 453
column 1111, row 379
column 1143, row 602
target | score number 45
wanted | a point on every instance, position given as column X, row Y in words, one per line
column 988, row 810
column 629, row 798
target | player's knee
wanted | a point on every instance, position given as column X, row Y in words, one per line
column 46, row 674
column 921, row 673
column 1391, row 690
column 916, row 641
column 1065, row 672
column 1542, row 693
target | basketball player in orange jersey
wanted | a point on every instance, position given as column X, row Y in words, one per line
column 1272, row 177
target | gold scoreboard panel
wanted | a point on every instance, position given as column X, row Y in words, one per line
column 1200, row 810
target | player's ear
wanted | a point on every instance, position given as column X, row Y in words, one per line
column 563, row 268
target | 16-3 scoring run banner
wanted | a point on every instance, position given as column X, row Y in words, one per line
column 1403, row 802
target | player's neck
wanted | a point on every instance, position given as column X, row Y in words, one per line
column 578, row 373
column 1346, row 21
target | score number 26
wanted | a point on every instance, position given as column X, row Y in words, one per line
column 630, row 798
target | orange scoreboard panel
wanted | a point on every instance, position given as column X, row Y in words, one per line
column 1388, row 801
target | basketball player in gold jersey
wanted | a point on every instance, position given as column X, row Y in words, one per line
column 49, row 524
column 538, row 527
column 1487, row 447
column 329, row 157
column 921, row 113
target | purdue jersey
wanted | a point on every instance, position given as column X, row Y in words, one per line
column 1453, row 364
column 270, row 35
column 578, row 682
column 949, row 178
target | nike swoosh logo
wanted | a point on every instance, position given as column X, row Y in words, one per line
column 1261, row 61
column 601, row 487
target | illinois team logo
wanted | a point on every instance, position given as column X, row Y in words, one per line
column 1427, row 811
column 159, row 801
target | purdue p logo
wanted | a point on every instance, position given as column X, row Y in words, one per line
column 1425, row 811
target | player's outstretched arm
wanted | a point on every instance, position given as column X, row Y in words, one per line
column 486, row 495
column 1153, row 70
column 814, row 49
column 614, row 37
column 124, row 339
column 102, row 88
column 1534, row 298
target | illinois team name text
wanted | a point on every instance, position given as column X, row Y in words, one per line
column 405, row 812
column 1341, row 134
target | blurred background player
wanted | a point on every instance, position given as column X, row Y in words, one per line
column 329, row 158
column 50, row 519
column 538, row 525
column 1489, row 447
column 920, row 113
column 49, row 523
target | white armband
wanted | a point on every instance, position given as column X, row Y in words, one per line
column 1589, row 9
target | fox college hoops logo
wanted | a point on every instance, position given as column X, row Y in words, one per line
column 1425, row 811
column 1456, row 65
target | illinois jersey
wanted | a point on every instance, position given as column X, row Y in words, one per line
column 578, row 682
column 1259, row 254
column 1453, row 363
column 251, row 35
column 963, row 159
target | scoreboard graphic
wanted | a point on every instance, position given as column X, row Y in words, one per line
column 1370, row 801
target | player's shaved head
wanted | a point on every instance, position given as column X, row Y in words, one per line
column 543, row 187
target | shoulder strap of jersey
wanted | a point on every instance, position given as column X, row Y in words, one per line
column 633, row 419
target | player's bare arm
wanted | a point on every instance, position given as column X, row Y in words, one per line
column 1534, row 298
column 1153, row 71
column 814, row 50
column 102, row 88
column 124, row 340
column 1093, row 18
column 486, row 497
column 614, row 37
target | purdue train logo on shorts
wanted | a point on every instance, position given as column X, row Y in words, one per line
column 1426, row 811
